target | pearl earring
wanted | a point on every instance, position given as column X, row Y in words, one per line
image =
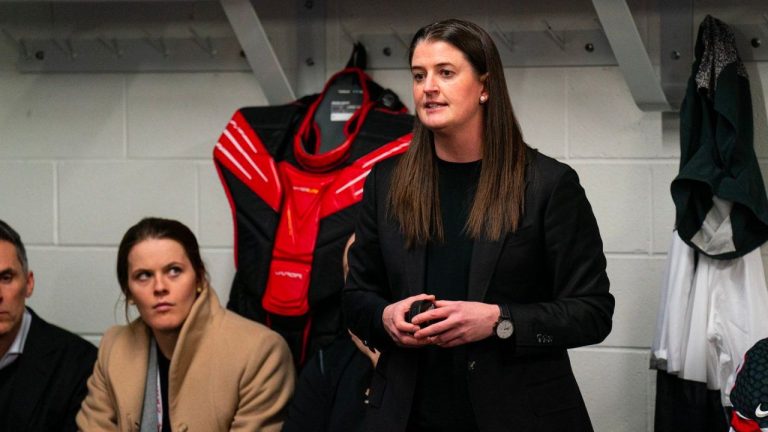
column 199, row 289
column 483, row 98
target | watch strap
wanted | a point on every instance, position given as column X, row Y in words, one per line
column 504, row 312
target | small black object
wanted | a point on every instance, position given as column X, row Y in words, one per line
column 756, row 42
column 589, row 47
column 418, row 307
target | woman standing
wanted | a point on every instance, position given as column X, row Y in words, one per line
column 499, row 244
column 186, row 363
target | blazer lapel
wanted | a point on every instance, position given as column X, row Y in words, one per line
column 485, row 254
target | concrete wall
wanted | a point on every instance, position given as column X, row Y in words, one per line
column 84, row 156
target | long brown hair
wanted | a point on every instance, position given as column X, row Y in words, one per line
column 498, row 204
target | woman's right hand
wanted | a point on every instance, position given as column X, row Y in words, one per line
column 398, row 329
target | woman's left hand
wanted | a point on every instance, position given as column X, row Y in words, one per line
column 457, row 322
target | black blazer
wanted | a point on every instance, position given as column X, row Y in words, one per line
column 550, row 273
column 50, row 382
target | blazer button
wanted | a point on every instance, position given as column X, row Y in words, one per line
column 471, row 365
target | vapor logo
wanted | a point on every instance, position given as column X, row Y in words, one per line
column 289, row 274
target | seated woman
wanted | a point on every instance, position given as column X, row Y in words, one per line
column 186, row 362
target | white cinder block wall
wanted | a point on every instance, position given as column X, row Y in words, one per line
column 84, row 156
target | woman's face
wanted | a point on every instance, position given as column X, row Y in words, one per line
column 446, row 88
column 162, row 283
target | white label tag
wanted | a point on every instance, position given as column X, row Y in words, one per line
column 342, row 110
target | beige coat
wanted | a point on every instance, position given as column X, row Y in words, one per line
column 227, row 373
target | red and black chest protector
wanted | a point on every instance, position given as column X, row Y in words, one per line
column 294, row 175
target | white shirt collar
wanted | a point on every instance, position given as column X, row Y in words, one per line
column 17, row 347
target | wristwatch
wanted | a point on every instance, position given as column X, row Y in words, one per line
column 504, row 327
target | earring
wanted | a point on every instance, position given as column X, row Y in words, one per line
column 483, row 98
column 199, row 289
column 131, row 302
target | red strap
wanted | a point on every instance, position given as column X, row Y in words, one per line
column 288, row 282
column 339, row 153
column 305, row 340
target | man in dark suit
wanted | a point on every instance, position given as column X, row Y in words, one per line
column 43, row 369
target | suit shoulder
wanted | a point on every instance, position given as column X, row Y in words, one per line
column 385, row 167
column 547, row 164
column 64, row 338
column 545, row 171
column 382, row 172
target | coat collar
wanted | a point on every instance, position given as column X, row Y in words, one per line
column 132, row 363
column 192, row 333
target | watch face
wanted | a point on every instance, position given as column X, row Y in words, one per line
column 504, row 329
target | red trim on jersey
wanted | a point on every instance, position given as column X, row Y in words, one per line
column 347, row 188
column 339, row 153
column 308, row 198
column 243, row 153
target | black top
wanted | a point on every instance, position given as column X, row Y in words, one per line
column 441, row 401
column 163, row 365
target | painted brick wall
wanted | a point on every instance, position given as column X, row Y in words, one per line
column 84, row 156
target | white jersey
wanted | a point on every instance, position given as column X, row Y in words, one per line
column 711, row 313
